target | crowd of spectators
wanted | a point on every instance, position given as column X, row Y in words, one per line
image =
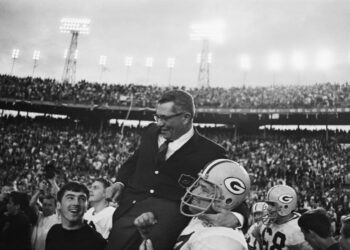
column 316, row 168
column 319, row 95
column 27, row 146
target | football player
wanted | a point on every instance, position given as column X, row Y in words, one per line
column 222, row 185
column 280, row 230
column 258, row 211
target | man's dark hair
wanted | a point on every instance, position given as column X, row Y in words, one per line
column 21, row 199
column 72, row 186
column 183, row 100
column 316, row 220
column 104, row 182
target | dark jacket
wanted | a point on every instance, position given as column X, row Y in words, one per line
column 144, row 178
column 141, row 175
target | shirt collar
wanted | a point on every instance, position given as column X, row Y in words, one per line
column 179, row 141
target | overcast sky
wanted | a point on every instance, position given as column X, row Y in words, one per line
column 160, row 29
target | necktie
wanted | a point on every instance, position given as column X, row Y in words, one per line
column 162, row 152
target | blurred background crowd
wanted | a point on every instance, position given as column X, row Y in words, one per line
column 316, row 168
column 319, row 95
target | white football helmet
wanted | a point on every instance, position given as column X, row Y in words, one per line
column 222, row 183
column 283, row 198
column 259, row 209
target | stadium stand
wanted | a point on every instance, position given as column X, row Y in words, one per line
column 320, row 95
column 314, row 164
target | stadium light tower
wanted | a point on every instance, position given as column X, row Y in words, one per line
column 171, row 65
column 206, row 32
column 128, row 64
column 36, row 57
column 75, row 26
column 102, row 63
column 245, row 65
column 149, row 65
column 15, row 55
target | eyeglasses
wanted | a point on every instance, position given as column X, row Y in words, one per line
column 165, row 118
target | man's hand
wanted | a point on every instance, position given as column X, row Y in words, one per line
column 224, row 218
column 146, row 245
column 113, row 191
column 144, row 222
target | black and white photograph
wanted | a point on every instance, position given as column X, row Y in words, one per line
column 184, row 125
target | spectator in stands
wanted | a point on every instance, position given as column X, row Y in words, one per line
column 316, row 227
column 278, row 96
column 16, row 229
column 73, row 233
column 298, row 157
column 46, row 218
column 344, row 240
column 100, row 215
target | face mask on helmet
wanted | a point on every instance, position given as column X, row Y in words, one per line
column 200, row 197
column 259, row 210
column 223, row 183
column 271, row 214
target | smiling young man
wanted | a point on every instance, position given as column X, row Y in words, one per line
column 73, row 233
column 148, row 180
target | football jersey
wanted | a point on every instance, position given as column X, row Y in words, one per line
column 199, row 235
column 101, row 221
column 280, row 237
column 251, row 240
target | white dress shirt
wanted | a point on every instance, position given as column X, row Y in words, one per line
column 176, row 144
